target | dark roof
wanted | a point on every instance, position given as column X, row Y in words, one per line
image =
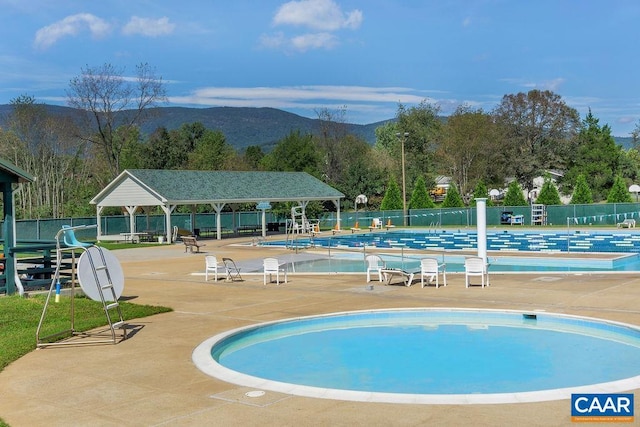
column 188, row 186
column 8, row 169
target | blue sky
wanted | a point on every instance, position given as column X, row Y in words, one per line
column 363, row 55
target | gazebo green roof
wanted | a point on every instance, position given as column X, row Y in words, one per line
column 12, row 173
column 196, row 187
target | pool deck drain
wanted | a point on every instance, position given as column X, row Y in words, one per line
column 251, row 397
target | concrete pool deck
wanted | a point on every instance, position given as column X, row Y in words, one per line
column 150, row 379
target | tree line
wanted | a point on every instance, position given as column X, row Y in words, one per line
column 524, row 136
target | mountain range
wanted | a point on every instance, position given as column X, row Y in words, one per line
column 242, row 126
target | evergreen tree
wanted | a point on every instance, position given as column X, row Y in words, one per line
column 514, row 196
column 549, row 193
column 479, row 192
column 420, row 198
column 595, row 155
column 619, row 192
column 452, row 199
column 392, row 199
column 582, row 193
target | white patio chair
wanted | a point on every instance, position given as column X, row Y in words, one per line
column 211, row 265
column 430, row 268
column 374, row 265
column 475, row 266
column 272, row 266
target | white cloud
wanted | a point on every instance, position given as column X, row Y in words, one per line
column 273, row 41
column 314, row 41
column 71, row 26
column 148, row 27
column 296, row 96
column 322, row 15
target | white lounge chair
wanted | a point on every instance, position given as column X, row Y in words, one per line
column 475, row 266
column 272, row 266
column 431, row 268
column 211, row 266
column 406, row 276
column 374, row 265
column 627, row 223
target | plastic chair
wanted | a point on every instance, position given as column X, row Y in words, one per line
column 475, row 266
column 272, row 266
column 374, row 264
column 430, row 268
column 69, row 238
column 211, row 266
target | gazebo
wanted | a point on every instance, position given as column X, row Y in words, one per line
column 144, row 188
column 10, row 175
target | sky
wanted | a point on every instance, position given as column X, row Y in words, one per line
column 363, row 57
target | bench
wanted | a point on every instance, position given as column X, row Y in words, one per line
column 253, row 229
column 517, row 220
column 627, row 223
column 191, row 242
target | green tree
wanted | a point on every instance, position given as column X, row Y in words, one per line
column 468, row 143
column 294, row 153
column 479, row 192
column 110, row 101
column 211, row 152
column 165, row 150
column 252, row 156
column 392, row 199
column 596, row 155
column 548, row 193
column 420, row 198
column 581, row 192
column 537, row 129
column 422, row 128
column 386, row 138
column 453, row 198
column 619, row 192
column 514, row 196
column 45, row 146
column 363, row 177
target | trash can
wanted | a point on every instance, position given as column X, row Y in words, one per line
column 160, row 239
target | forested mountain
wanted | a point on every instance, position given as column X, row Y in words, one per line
column 242, row 127
column 475, row 149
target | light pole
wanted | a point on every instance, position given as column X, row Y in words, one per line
column 404, row 187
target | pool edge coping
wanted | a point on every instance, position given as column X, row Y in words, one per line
column 201, row 357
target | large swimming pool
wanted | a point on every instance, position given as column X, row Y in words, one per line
column 559, row 241
column 344, row 262
column 429, row 356
column 510, row 251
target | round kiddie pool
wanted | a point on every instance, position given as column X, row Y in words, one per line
column 447, row 356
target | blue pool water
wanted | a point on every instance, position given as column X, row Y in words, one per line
column 441, row 352
column 354, row 263
column 496, row 241
column 564, row 244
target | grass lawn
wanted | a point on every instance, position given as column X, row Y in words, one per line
column 19, row 318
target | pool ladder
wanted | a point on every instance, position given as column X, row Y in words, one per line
column 71, row 244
